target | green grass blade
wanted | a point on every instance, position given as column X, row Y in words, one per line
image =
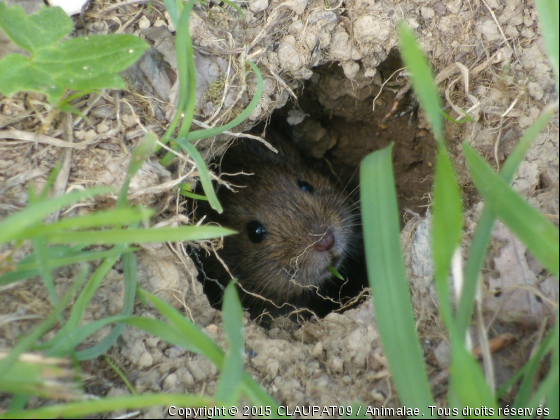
column 13, row 226
column 191, row 341
column 122, row 216
column 447, row 224
column 548, row 17
column 422, row 79
column 203, row 173
column 388, row 281
column 210, row 132
column 42, row 261
column 128, row 236
column 107, row 405
column 87, row 293
column 26, row 342
column 185, row 68
column 198, row 339
column 236, row 7
column 139, row 155
column 483, row 232
column 549, row 387
column 538, row 234
column 121, row 375
column 185, row 72
column 467, row 386
column 530, row 371
column 228, row 388
column 43, row 378
column 27, row 268
column 50, row 181
column 130, row 285
column 151, row 326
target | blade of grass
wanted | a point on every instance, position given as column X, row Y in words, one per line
column 167, row 234
column 122, row 216
column 251, row 389
column 43, row 379
column 26, row 342
column 210, row 132
column 139, row 156
column 107, row 405
column 530, row 371
column 549, row 387
column 422, row 80
column 228, row 389
column 152, row 326
column 130, row 285
column 42, row 261
column 203, row 173
column 467, row 385
column 13, row 226
column 483, row 232
column 121, row 375
column 388, row 281
column 550, row 22
column 185, row 71
column 538, row 234
column 26, row 268
column 87, row 293
column 447, row 224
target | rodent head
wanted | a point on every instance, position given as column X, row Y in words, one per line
column 293, row 223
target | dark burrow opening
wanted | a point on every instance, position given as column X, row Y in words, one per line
column 338, row 121
column 343, row 120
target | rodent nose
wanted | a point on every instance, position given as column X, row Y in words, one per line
column 325, row 243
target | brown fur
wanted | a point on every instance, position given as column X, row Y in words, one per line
column 285, row 270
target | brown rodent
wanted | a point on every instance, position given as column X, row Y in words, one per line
column 294, row 222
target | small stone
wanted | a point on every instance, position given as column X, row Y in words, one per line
column 144, row 23
column 170, row 382
column 427, row 12
column 146, row 360
column 351, row 68
column 535, row 90
column 298, row 6
column 258, row 5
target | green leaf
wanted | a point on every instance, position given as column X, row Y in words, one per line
column 388, row 281
column 538, row 234
column 32, row 32
column 18, row 73
column 82, row 64
column 90, row 56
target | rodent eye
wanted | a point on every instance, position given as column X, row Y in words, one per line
column 256, row 231
column 305, row 186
